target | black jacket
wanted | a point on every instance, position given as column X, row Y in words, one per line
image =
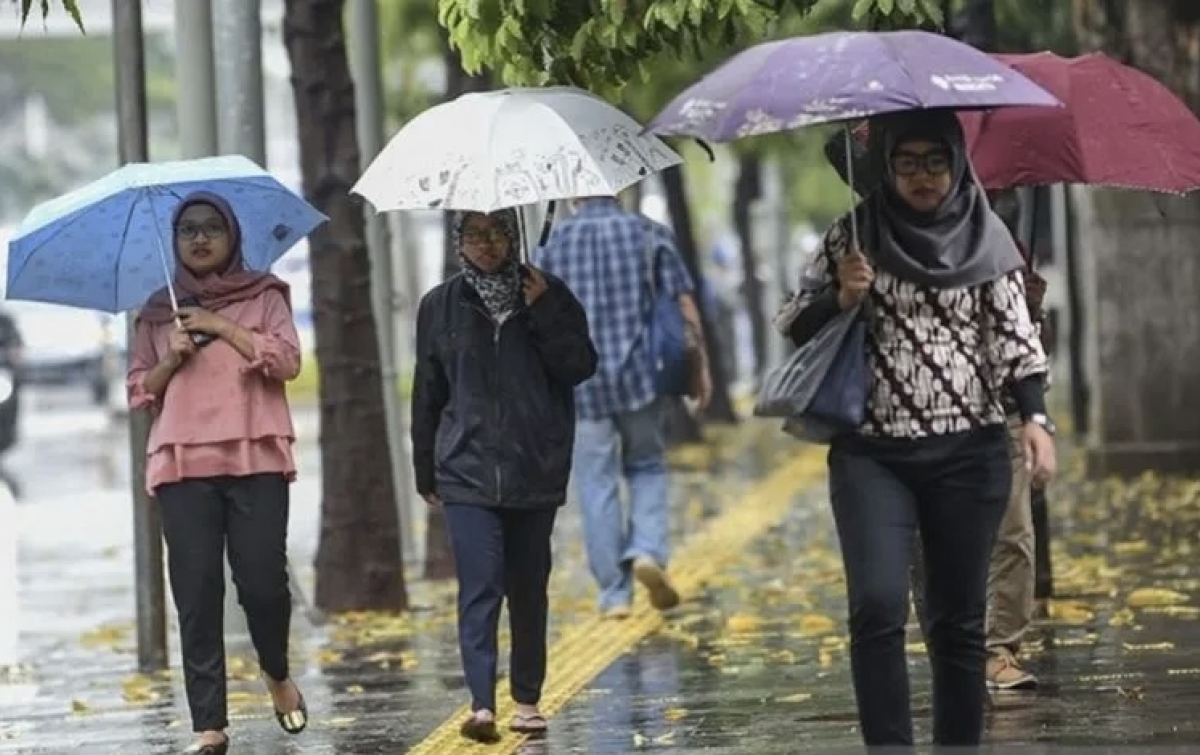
column 493, row 407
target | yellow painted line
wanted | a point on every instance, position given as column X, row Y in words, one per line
column 588, row 648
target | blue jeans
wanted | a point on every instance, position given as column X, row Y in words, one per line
column 629, row 445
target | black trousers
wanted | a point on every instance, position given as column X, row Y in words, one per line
column 952, row 489
column 201, row 518
column 502, row 554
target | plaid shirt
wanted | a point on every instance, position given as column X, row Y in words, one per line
column 603, row 255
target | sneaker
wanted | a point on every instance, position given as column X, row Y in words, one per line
column 617, row 613
column 1004, row 673
column 662, row 595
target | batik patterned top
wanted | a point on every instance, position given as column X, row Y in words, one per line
column 939, row 358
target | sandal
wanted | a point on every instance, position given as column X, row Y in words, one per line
column 480, row 730
column 528, row 723
column 208, row 749
column 294, row 722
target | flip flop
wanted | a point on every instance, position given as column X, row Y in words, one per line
column 528, row 723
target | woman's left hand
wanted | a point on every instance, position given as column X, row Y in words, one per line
column 1040, row 457
column 198, row 320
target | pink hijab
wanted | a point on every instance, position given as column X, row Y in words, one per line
column 233, row 284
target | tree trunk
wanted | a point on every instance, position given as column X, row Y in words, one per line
column 1141, row 269
column 358, row 564
column 721, row 409
column 748, row 189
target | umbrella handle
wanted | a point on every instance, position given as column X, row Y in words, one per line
column 162, row 256
column 850, row 182
column 548, row 222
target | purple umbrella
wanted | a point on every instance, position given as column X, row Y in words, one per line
column 804, row 81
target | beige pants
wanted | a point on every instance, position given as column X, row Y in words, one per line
column 1011, row 572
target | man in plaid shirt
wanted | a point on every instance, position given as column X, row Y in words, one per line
column 606, row 254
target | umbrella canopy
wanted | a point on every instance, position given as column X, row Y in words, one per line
column 1119, row 128
column 838, row 76
column 108, row 245
column 490, row 150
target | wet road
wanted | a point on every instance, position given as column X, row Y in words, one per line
column 757, row 665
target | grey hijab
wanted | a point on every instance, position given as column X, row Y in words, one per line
column 962, row 243
column 501, row 290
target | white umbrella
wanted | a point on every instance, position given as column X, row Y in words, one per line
column 490, row 150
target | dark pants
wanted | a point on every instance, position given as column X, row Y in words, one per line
column 201, row 517
column 499, row 554
column 952, row 490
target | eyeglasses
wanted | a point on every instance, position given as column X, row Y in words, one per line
column 476, row 238
column 935, row 163
column 212, row 229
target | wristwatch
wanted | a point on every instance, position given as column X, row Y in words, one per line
column 1044, row 421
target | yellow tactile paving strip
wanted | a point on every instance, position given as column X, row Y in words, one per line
column 588, row 648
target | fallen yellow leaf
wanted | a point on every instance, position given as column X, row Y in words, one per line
column 740, row 623
column 1154, row 596
column 1071, row 612
column 1149, row 646
column 799, row 697
column 675, row 714
column 1180, row 612
column 815, row 624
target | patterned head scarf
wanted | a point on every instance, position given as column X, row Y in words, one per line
column 499, row 290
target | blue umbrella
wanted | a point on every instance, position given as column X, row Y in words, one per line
column 839, row 76
column 108, row 245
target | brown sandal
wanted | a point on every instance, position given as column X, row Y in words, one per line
column 528, row 723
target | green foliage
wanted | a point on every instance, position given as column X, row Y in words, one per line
column 411, row 39
column 1025, row 27
column 898, row 14
column 75, row 75
column 600, row 44
column 70, row 6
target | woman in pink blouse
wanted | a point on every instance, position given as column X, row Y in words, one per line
column 219, row 458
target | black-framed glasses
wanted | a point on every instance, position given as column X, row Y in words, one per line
column 212, row 229
column 494, row 236
column 935, row 163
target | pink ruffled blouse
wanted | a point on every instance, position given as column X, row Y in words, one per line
column 220, row 414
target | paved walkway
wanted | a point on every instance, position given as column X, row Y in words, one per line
column 754, row 662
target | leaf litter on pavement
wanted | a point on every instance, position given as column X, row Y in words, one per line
column 1125, row 565
column 1124, row 556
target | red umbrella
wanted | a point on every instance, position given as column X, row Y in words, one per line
column 1119, row 128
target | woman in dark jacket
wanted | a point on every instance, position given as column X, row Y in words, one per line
column 950, row 333
column 500, row 349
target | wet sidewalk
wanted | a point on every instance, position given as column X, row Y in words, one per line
column 760, row 664
column 375, row 684
column 754, row 663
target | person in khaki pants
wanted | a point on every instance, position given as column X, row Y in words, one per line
column 1011, row 574
column 1011, row 578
